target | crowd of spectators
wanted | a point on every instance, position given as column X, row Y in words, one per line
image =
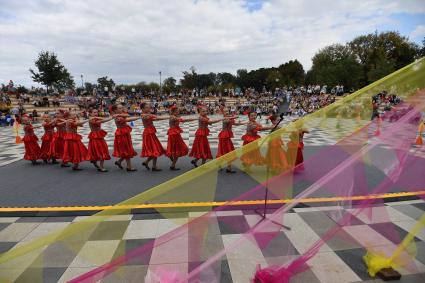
column 304, row 100
column 300, row 100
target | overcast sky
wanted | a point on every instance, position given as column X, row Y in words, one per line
column 132, row 40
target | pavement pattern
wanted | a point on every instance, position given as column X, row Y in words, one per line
column 339, row 260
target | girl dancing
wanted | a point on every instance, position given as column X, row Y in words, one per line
column 253, row 157
column 201, row 147
column 225, row 144
column 123, row 146
column 151, row 147
column 46, row 153
column 176, row 147
column 74, row 150
column 32, row 149
column 98, row 149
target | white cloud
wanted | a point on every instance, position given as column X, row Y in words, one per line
column 131, row 40
column 418, row 32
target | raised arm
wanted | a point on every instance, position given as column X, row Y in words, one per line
column 240, row 123
column 132, row 119
column 81, row 123
column 104, row 120
column 161, row 118
column 188, row 119
column 265, row 128
column 214, row 121
column 60, row 122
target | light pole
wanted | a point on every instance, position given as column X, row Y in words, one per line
column 82, row 81
column 160, row 83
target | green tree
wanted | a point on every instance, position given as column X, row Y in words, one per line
column 422, row 51
column 153, row 87
column 21, row 89
column 292, row 73
column 226, row 79
column 274, row 79
column 103, row 82
column 336, row 64
column 169, row 85
column 242, row 79
column 257, row 78
column 51, row 72
column 371, row 49
column 382, row 66
column 189, row 79
column 89, row 86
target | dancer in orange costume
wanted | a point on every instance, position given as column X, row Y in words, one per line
column 295, row 149
column 98, row 149
column 225, row 144
column 74, row 150
column 176, row 147
column 201, row 146
column 32, row 149
column 123, row 146
column 253, row 157
column 46, row 153
column 151, row 147
column 276, row 155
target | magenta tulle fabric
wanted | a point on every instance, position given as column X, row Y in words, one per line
column 335, row 171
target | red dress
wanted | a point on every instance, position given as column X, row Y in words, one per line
column 151, row 146
column 32, row 149
column 58, row 143
column 276, row 156
column 74, row 150
column 201, row 146
column 253, row 156
column 225, row 144
column 123, row 146
column 176, row 147
column 295, row 151
column 46, row 141
column 98, row 149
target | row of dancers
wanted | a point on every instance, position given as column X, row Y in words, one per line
column 65, row 143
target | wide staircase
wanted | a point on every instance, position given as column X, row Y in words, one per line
column 29, row 107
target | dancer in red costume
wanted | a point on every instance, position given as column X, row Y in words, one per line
column 58, row 142
column 98, row 149
column 176, row 147
column 123, row 146
column 47, row 140
column 276, row 155
column 32, row 149
column 253, row 157
column 151, row 147
column 201, row 146
column 295, row 149
column 225, row 144
column 74, row 150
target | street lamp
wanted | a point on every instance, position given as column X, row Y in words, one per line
column 160, row 83
column 82, row 81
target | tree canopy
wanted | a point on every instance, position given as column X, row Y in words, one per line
column 51, row 72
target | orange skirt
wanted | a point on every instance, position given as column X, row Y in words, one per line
column 254, row 156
